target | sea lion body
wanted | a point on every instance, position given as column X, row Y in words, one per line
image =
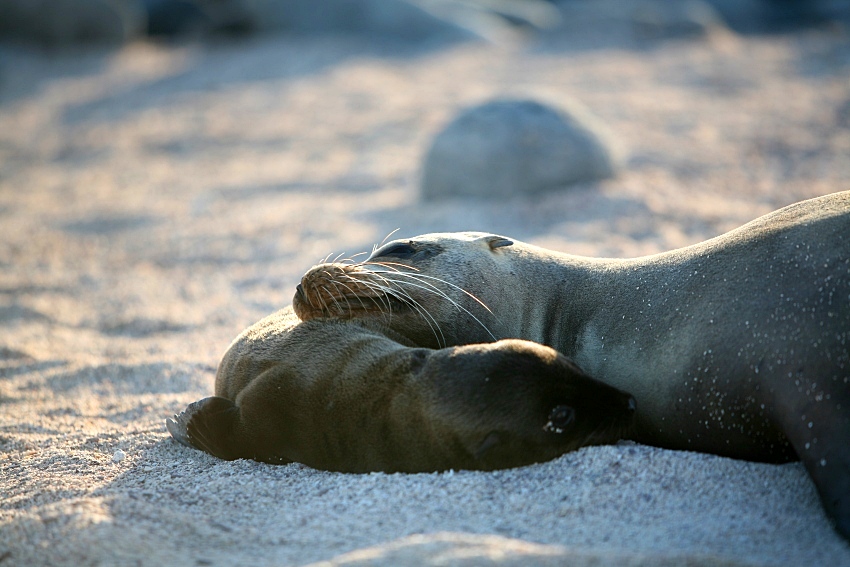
column 736, row 346
column 346, row 397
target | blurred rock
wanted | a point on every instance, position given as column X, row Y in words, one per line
column 381, row 17
column 172, row 18
column 496, row 20
column 515, row 147
column 57, row 23
column 660, row 19
column 629, row 24
column 772, row 16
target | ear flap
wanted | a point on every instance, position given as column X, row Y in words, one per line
column 498, row 241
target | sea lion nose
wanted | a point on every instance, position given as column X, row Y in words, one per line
column 631, row 404
column 299, row 290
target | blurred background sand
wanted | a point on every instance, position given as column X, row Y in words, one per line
column 160, row 191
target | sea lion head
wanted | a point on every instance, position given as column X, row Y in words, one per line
column 428, row 288
column 520, row 402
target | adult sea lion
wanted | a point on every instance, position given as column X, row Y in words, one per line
column 738, row 346
column 345, row 396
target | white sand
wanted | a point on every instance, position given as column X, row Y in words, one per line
column 154, row 201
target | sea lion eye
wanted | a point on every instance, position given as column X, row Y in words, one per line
column 400, row 250
column 562, row 416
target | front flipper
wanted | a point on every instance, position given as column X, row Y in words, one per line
column 820, row 434
column 829, row 468
column 211, row 425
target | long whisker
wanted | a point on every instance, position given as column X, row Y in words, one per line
column 420, row 277
column 350, row 260
column 389, row 265
column 448, row 283
column 343, row 296
column 427, row 287
column 352, row 293
column 428, row 318
column 432, row 289
column 381, row 293
column 380, row 299
column 325, row 304
column 309, row 299
column 331, row 295
column 435, row 290
column 396, row 291
column 386, row 237
column 322, row 305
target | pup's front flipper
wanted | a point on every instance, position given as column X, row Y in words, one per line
column 210, row 425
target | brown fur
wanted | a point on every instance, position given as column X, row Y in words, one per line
column 342, row 396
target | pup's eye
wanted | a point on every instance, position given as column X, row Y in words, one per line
column 399, row 250
column 562, row 416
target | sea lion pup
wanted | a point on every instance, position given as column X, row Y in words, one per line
column 345, row 397
column 738, row 346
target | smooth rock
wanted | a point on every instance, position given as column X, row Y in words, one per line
column 514, row 147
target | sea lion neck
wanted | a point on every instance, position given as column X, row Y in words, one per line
column 562, row 293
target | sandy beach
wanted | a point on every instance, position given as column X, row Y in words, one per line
column 156, row 199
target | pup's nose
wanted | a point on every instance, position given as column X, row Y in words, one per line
column 631, row 405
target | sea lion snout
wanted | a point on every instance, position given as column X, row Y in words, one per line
column 338, row 290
